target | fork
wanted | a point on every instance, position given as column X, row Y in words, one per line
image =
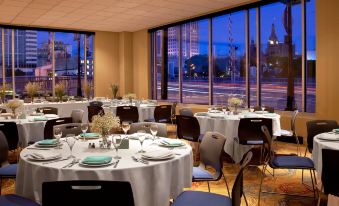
column 63, row 159
column 69, row 164
column 140, row 160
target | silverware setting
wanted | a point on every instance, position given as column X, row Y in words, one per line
column 74, row 161
column 116, row 164
column 140, row 160
column 59, row 160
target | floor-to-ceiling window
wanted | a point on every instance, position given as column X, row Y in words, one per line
column 173, row 52
column 255, row 53
column 32, row 60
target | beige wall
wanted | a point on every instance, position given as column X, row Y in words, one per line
column 106, row 62
column 125, row 62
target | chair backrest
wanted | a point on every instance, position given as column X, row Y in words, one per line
column 77, row 115
column 3, row 110
column 48, row 130
column 48, row 110
column 267, row 108
column 330, row 171
column 135, row 127
column 316, row 127
column 70, row 128
column 186, row 111
column 188, row 128
column 3, row 148
column 87, row 193
column 249, row 130
column 293, row 120
column 162, row 113
column 128, row 114
column 10, row 131
column 237, row 190
column 269, row 144
column 96, row 103
column 94, row 110
column 211, row 149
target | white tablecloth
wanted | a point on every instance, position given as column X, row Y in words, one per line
column 153, row 184
column 318, row 145
column 228, row 126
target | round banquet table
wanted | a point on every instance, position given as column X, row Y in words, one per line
column 319, row 144
column 228, row 126
column 152, row 185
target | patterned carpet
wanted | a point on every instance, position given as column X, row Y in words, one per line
column 284, row 181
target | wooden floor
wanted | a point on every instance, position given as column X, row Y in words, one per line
column 284, row 181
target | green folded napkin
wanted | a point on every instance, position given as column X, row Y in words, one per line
column 201, row 114
column 40, row 118
column 47, row 142
column 172, row 142
column 97, row 160
column 336, row 130
column 89, row 135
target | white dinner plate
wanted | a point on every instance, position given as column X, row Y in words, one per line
column 53, row 157
column 47, row 145
column 329, row 137
column 96, row 165
column 158, row 158
column 169, row 145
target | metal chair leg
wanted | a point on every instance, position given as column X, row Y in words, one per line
column 228, row 191
column 208, row 185
column 261, row 180
column 245, row 198
column 313, row 185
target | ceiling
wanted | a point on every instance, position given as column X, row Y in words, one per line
column 105, row 15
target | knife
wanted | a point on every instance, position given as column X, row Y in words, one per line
column 116, row 164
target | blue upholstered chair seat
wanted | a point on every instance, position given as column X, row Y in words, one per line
column 15, row 200
column 196, row 198
column 201, row 174
column 292, row 162
column 9, row 170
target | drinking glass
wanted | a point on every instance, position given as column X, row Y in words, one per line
column 58, row 135
column 263, row 108
column 41, row 111
column 224, row 109
column 141, row 137
column 251, row 109
column 71, row 141
column 154, row 131
column 84, row 128
column 116, row 140
column 125, row 126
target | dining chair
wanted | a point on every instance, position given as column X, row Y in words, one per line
column 87, row 193
column 96, row 103
column 197, row 198
column 48, row 130
column 316, row 127
column 249, row 132
column 329, row 173
column 77, row 115
column 128, row 114
column 135, row 127
column 288, row 162
column 16, row 200
column 186, row 111
column 188, row 128
column 94, row 110
column 69, row 128
column 162, row 114
column 11, row 133
column 291, row 136
column 6, row 170
column 267, row 108
column 211, row 150
column 48, row 110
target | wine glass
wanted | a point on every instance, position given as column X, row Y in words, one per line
column 125, row 126
column 116, row 140
column 154, row 131
column 58, row 135
column 263, row 108
column 224, row 109
column 251, row 109
column 141, row 137
column 41, row 111
column 84, row 128
column 71, row 141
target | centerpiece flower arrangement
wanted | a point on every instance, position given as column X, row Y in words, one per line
column 103, row 124
column 60, row 90
column 13, row 105
column 130, row 96
column 114, row 89
column 235, row 103
column 32, row 89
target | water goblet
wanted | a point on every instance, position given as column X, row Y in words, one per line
column 71, row 141
column 84, row 128
column 141, row 137
column 224, row 109
column 251, row 109
column 125, row 127
column 58, row 134
column 154, row 130
column 116, row 140
column 263, row 108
